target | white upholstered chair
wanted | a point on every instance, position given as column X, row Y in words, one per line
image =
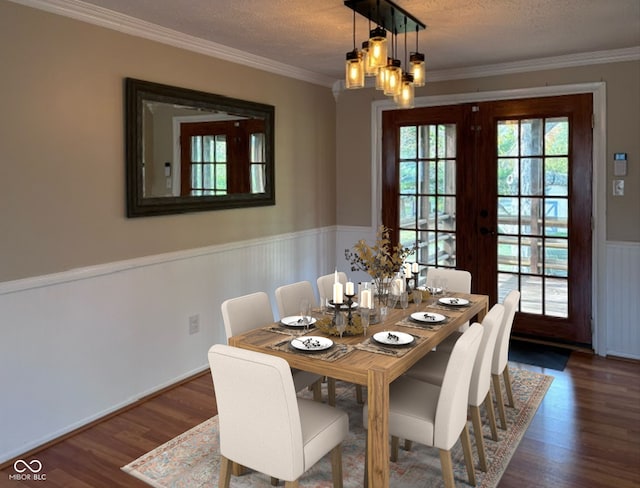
column 263, row 425
column 248, row 312
column 458, row 280
column 288, row 297
column 499, row 365
column 432, row 368
column 436, row 415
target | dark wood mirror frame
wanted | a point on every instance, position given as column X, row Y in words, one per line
column 138, row 93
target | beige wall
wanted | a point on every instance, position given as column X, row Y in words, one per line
column 623, row 135
column 62, row 139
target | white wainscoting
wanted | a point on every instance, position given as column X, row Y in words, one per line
column 78, row 345
column 622, row 299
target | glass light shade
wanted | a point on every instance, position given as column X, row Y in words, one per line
column 418, row 69
column 393, row 78
column 405, row 98
column 378, row 47
column 369, row 69
column 381, row 76
column 354, row 70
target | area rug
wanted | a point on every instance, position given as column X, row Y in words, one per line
column 191, row 459
column 543, row 355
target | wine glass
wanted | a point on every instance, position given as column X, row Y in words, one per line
column 341, row 323
column 404, row 300
column 323, row 304
column 305, row 312
column 417, row 298
column 364, row 318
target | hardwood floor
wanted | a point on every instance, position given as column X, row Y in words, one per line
column 585, row 433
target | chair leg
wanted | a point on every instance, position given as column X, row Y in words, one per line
column 336, row 466
column 331, row 391
column 365, row 483
column 225, row 472
column 359, row 398
column 497, row 389
column 407, row 445
column 395, row 443
column 317, row 391
column 468, row 455
column 507, row 385
column 447, row 468
column 477, row 432
column 491, row 414
column 274, row 481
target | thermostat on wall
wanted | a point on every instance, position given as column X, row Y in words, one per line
column 620, row 164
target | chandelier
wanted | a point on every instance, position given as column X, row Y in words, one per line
column 377, row 58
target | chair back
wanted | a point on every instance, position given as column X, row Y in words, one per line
column 245, row 313
column 259, row 418
column 457, row 279
column 481, row 375
column 288, row 297
column 501, row 352
column 325, row 284
column 451, row 410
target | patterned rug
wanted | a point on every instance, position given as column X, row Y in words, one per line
column 191, row 459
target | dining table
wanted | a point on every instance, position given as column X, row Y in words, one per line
column 362, row 360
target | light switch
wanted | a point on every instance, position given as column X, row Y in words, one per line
column 618, row 188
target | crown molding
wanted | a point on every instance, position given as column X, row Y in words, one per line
column 539, row 64
column 102, row 17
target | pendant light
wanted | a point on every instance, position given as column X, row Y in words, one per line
column 393, row 74
column 354, row 65
column 405, row 99
column 418, row 68
column 378, row 47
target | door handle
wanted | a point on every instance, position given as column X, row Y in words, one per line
column 485, row 231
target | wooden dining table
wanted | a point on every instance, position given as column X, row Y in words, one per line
column 364, row 364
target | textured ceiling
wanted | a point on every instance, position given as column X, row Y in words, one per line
column 315, row 35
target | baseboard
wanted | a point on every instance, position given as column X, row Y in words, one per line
column 96, row 421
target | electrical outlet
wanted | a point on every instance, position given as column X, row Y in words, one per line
column 194, row 324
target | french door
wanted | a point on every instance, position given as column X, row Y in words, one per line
column 502, row 189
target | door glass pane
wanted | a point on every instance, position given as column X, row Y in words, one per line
column 427, row 191
column 508, row 176
column 531, row 137
column 533, row 212
column 556, row 136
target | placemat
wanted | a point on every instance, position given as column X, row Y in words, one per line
column 290, row 331
column 336, row 351
column 407, row 322
column 370, row 345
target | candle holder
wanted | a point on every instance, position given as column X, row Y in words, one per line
column 336, row 311
column 416, row 275
column 407, row 279
column 349, row 313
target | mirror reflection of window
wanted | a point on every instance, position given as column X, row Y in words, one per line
column 258, row 163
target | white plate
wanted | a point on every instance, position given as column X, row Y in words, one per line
column 311, row 343
column 344, row 305
column 393, row 338
column 296, row 321
column 454, row 301
column 428, row 317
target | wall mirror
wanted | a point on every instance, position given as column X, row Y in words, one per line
column 189, row 151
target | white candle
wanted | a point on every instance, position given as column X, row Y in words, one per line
column 365, row 299
column 349, row 289
column 414, row 268
column 335, row 277
column 337, row 293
